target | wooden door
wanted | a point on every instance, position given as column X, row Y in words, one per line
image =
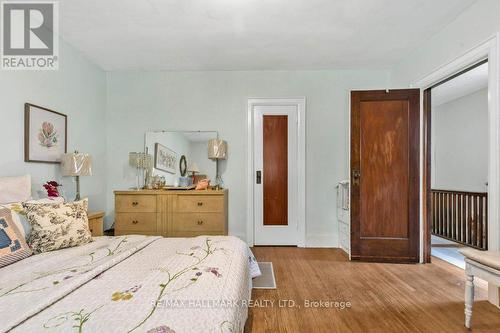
column 275, row 157
column 385, row 156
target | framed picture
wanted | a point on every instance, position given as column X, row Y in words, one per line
column 165, row 159
column 45, row 134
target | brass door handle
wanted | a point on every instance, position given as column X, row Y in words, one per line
column 356, row 177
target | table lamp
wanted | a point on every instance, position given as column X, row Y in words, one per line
column 193, row 168
column 75, row 165
column 143, row 162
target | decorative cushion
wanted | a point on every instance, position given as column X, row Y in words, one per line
column 12, row 245
column 19, row 215
column 57, row 226
column 15, row 189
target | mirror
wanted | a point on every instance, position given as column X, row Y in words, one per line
column 176, row 150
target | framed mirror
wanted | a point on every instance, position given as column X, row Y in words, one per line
column 175, row 152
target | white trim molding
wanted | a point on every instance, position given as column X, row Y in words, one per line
column 489, row 49
column 300, row 102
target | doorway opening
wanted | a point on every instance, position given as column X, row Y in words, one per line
column 457, row 159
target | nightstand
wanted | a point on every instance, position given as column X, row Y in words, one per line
column 96, row 220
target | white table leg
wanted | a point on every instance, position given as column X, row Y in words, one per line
column 469, row 299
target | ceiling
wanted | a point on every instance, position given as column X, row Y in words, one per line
column 252, row 34
column 474, row 80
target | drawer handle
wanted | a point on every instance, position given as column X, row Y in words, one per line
column 135, row 222
column 200, row 203
column 134, row 203
column 200, row 222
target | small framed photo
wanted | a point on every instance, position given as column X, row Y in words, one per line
column 165, row 159
column 45, row 134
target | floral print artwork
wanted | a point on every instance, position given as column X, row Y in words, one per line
column 47, row 135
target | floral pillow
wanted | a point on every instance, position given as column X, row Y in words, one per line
column 12, row 245
column 57, row 226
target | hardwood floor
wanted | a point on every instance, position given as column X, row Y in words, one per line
column 383, row 297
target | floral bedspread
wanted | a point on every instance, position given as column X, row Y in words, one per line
column 131, row 284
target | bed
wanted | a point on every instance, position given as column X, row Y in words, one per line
column 131, row 284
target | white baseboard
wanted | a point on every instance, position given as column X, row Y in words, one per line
column 322, row 240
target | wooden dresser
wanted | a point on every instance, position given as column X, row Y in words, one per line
column 174, row 213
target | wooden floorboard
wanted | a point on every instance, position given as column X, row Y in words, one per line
column 383, row 297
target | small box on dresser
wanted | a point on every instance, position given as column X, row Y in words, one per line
column 171, row 213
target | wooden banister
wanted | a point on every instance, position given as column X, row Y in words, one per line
column 461, row 217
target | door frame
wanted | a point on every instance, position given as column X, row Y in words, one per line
column 300, row 102
column 486, row 50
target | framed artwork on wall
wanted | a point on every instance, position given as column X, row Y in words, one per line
column 165, row 159
column 45, row 134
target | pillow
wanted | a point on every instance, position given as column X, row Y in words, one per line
column 19, row 215
column 57, row 226
column 12, row 245
column 15, row 189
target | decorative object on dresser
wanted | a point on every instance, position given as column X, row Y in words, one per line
column 143, row 164
column 96, row 223
column 194, row 169
column 171, row 213
column 45, row 134
column 75, row 165
column 165, row 158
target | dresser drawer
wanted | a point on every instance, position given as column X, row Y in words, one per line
column 198, row 222
column 200, row 203
column 135, row 203
column 135, row 222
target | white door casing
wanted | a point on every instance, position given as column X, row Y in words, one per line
column 294, row 233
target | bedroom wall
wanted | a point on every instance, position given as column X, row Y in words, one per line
column 460, row 143
column 142, row 101
column 77, row 89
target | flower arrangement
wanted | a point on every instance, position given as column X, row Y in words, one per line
column 52, row 188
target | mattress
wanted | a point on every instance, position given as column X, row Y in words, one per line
column 131, row 284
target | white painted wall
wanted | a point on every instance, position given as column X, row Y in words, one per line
column 77, row 89
column 460, row 143
column 142, row 101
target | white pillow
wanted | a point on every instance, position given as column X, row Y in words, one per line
column 15, row 189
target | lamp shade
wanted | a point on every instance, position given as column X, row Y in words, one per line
column 193, row 168
column 217, row 149
column 140, row 160
column 76, row 164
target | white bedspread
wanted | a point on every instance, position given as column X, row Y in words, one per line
column 131, row 284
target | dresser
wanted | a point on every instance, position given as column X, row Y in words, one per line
column 171, row 213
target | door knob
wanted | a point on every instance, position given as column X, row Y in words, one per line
column 356, row 176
